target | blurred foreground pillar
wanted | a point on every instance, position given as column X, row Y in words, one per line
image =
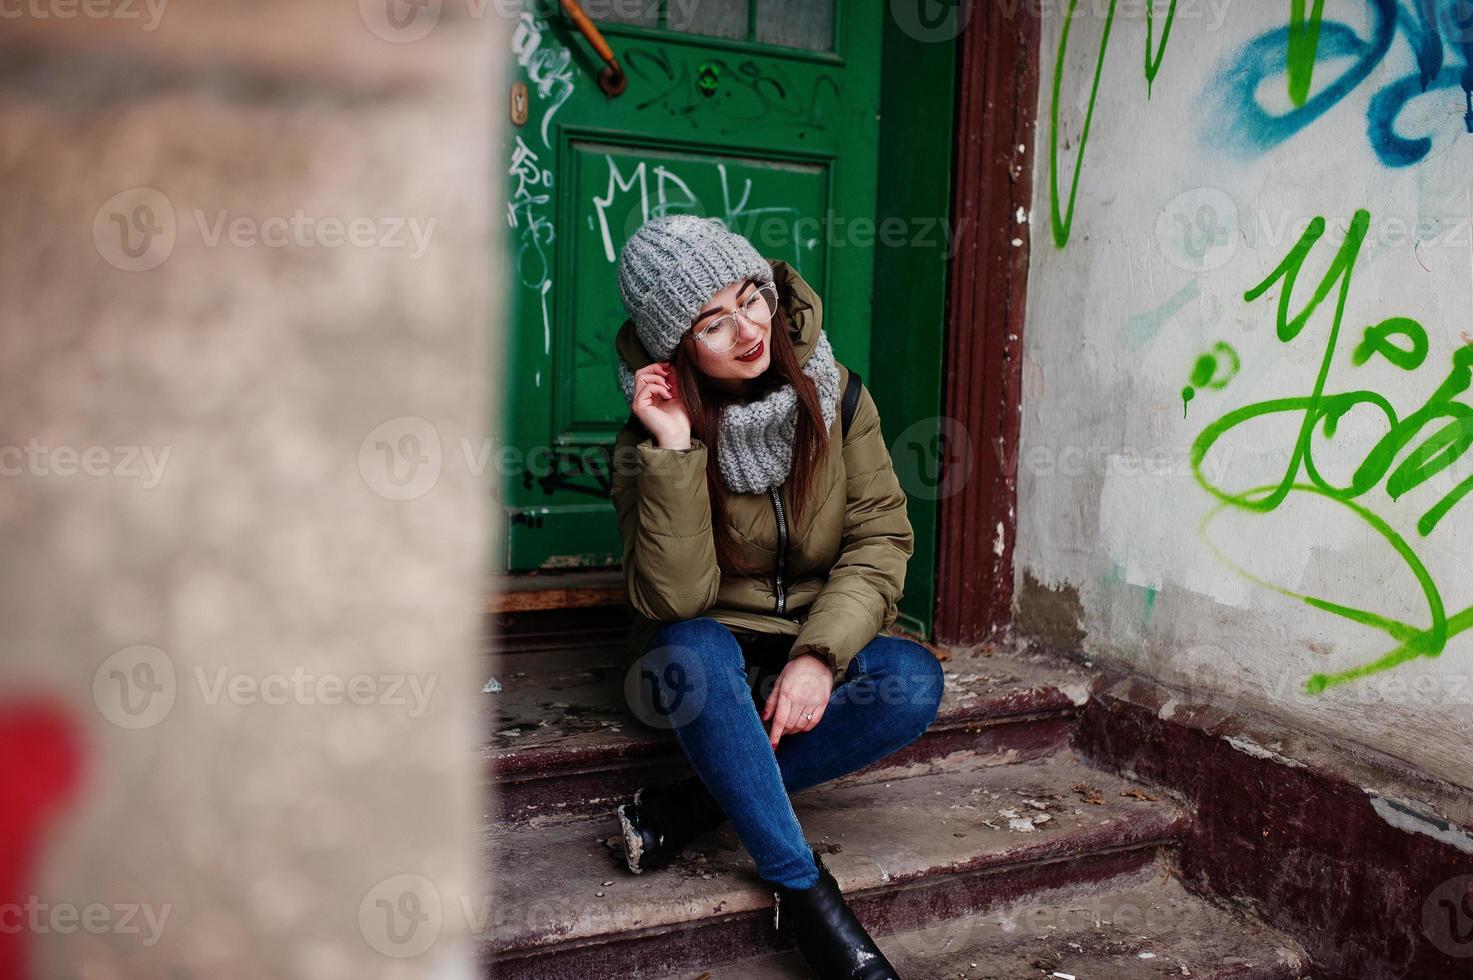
column 246, row 334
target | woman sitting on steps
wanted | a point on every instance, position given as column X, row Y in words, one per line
column 765, row 540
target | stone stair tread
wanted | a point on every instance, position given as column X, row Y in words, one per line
column 1140, row 926
column 926, row 819
column 566, row 707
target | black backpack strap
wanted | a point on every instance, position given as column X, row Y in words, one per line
column 851, row 399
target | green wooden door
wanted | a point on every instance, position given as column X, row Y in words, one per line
column 759, row 112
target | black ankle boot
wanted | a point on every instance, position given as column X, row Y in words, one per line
column 831, row 939
column 663, row 819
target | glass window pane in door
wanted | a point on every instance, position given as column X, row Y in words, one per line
column 796, row 23
column 712, row 18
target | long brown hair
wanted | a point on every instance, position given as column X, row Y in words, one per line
column 705, row 402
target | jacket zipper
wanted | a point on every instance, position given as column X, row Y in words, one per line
column 781, row 604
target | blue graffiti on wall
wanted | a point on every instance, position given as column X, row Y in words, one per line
column 1240, row 126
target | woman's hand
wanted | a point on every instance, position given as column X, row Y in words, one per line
column 803, row 688
column 657, row 403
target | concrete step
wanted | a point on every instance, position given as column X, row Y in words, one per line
column 1139, row 926
column 910, row 845
column 563, row 740
column 513, row 633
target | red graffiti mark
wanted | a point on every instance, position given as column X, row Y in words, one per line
column 40, row 768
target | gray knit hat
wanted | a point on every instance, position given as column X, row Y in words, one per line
column 672, row 266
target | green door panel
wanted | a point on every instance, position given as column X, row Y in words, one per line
column 763, row 114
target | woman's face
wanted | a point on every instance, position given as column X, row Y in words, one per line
column 751, row 338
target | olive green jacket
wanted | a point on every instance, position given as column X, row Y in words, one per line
column 843, row 568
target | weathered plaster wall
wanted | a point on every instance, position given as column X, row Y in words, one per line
column 1334, row 595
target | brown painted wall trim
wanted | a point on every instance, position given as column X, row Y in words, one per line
column 1366, row 865
column 997, row 82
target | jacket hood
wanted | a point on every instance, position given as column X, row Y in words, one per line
column 802, row 305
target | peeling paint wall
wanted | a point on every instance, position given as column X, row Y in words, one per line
column 1246, row 354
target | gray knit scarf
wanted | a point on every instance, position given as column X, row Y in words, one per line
column 754, row 449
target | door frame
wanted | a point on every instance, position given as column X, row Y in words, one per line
column 997, row 81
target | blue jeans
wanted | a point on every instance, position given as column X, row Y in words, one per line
column 698, row 672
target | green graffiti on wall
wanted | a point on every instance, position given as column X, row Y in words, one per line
column 1242, row 125
column 1062, row 223
column 1304, row 44
column 1153, row 65
column 1213, row 370
column 1403, row 342
column 1154, row 53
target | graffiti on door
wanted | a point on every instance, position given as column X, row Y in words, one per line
column 628, row 194
column 745, row 98
column 529, row 205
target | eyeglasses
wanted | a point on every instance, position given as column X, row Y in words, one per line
column 720, row 335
